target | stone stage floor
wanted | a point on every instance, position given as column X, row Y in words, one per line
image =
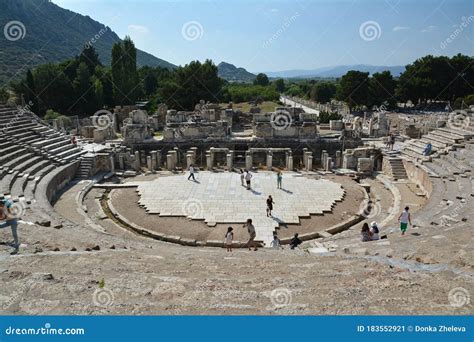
column 220, row 198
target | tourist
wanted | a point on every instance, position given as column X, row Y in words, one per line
column 374, row 229
column 228, row 239
column 275, row 242
column 191, row 172
column 404, row 219
column 251, row 229
column 365, row 233
column 392, row 141
column 248, row 177
column 427, row 150
column 242, row 177
column 295, row 241
column 270, row 204
column 8, row 216
column 279, row 179
column 74, row 140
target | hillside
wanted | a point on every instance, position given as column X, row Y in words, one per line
column 231, row 73
column 53, row 34
column 335, row 71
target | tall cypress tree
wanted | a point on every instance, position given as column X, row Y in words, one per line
column 30, row 95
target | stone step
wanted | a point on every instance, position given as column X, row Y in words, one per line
column 435, row 144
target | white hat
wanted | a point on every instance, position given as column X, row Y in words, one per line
column 373, row 224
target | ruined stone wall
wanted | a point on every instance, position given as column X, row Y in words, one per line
column 420, row 177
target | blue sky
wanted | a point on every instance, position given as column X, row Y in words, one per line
column 289, row 34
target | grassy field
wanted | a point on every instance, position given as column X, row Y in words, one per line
column 267, row 106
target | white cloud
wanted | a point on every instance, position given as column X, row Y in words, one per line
column 138, row 28
column 274, row 10
column 400, row 28
column 429, row 28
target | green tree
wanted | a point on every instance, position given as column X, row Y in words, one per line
column 261, row 79
column 280, row 85
column 382, row 89
column 323, row 92
column 189, row 84
column 124, row 72
column 90, row 57
column 353, row 88
column 85, row 104
column 30, row 92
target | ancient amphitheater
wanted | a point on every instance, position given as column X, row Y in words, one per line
column 116, row 228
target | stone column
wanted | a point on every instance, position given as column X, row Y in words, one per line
column 149, row 164
column 309, row 161
column 287, row 159
column 137, row 160
column 158, row 159
column 290, row 163
column 189, row 160
column 170, row 161
column 208, row 161
column 153, row 160
column 338, row 159
column 269, row 160
column 112, row 164
column 121, row 162
column 230, row 160
column 142, row 157
column 304, row 157
column 328, row 165
column 323, row 156
column 248, row 160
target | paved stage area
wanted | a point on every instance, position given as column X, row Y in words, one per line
column 220, row 198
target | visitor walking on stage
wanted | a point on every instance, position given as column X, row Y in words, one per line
column 228, row 239
column 248, row 177
column 275, row 242
column 279, row 179
column 8, row 216
column 251, row 229
column 242, row 177
column 295, row 241
column 191, row 172
column 270, row 204
column 404, row 219
column 365, row 233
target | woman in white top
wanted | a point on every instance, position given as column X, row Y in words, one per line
column 228, row 239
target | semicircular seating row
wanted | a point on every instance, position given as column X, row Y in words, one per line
column 29, row 151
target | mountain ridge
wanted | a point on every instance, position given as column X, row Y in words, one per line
column 231, row 73
column 334, row 71
column 59, row 34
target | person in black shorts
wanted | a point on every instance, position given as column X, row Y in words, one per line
column 269, row 206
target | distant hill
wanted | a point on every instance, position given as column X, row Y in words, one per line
column 231, row 73
column 335, row 71
column 53, row 34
